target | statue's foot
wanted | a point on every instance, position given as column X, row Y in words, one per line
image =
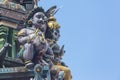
column 29, row 65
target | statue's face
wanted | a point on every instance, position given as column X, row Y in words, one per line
column 39, row 20
column 56, row 34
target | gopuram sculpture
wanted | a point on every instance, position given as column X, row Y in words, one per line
column 29, row 48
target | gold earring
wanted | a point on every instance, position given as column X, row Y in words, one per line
column 29, row 22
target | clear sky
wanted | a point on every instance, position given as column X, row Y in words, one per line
column 90, row 30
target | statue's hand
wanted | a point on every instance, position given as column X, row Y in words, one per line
column 32, row 36
column 40, row 33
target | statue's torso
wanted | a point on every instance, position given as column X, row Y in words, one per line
column 38, row 45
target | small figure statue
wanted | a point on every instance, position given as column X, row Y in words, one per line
column 52, row 35
column 33, row 39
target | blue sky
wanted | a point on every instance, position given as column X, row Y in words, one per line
column 90, row 30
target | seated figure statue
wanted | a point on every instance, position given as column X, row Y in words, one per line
column 33, row 40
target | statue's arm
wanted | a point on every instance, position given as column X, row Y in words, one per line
column 22, row 36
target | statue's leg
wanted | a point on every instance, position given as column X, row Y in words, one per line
column 28, row 54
